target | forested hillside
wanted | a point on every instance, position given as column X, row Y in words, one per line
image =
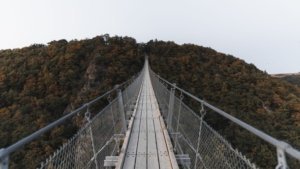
column 40, row 83
column 240, row 89
column 294, row 79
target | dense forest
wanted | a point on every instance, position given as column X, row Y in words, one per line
column 294, row 79
column 40, row 83
column 267, row 103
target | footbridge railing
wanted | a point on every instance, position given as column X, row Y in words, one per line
column 197, row 142
column 99, row 137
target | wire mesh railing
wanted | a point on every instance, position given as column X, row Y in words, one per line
column 99, row 137
column 193, row 136
column 88, row 148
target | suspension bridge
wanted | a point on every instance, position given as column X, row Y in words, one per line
column 146, row 125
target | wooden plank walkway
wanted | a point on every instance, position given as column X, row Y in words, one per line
column 149, row 144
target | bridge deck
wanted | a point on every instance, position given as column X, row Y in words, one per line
column 149, row 144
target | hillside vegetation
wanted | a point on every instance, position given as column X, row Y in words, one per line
column 268, row 103
column 294, row 79
column 40, row 83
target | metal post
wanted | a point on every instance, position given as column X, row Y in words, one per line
column 126, row 94
column 202, row 113
column 282, row 164
column 198, row 143
column 122, row 112
column 4, row 161
column 171, row 108
column 87, row 116
column 112, row 113
column 178, row 119
column 118, row 138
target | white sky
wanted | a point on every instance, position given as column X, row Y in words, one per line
column 263, row 32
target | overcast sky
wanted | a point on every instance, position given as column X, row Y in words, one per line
column 263, row 32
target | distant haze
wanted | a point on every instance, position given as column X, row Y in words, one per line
column 263, row 32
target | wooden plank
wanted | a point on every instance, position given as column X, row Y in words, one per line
column 130, row 158
column 141, row 160
column 167, row 138
column 162, row 152
column 125, row 146
column 148, row 146
column 153, row 161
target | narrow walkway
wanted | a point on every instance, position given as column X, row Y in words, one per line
column 149, row 143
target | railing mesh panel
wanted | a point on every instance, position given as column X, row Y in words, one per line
column 97, row 139
column 193, row 136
